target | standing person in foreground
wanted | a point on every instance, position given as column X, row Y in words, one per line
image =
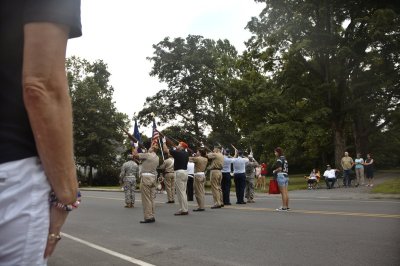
column 250, row 178
column 239, row 175
column 181, row 158
column 169, row 177
column 347, row 163
column 129, row 172
column 190, row 181
column 217, row 161
column 369, row 170
column 148, row 180
column 35, row 127
column 281, row 174
column 226, row 178
column 200, row 165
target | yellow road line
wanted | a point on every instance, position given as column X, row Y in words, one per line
column 359, row 214
column 338, row 213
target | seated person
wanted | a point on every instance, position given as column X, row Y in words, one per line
column 330, row 176
column 313, row 179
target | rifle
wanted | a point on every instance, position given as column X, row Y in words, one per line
column 171, row 140
column 133, row 138
column 201, row 144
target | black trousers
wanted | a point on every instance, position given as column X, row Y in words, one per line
column 226, row 187
column 240, row 185
column 330, row 182
column 189, row 188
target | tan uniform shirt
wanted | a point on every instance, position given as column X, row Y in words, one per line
column 150, row 162
column 347, row 163
column 168, row 165
column 217, row 160
column 200, row 163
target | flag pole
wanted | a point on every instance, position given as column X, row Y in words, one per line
column 159, row 141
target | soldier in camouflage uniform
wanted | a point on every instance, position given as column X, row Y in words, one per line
column 129, row 172
column 250, row 178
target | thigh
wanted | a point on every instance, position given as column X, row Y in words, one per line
column 24, row 208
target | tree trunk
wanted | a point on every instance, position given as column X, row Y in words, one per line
column 90, row 178
column 360, row 135
column 340, row 144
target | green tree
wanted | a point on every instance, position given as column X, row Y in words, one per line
column 196, row 71
column 97, row 124
column 331, row 67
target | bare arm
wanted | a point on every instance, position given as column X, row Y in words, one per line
column 46, row 99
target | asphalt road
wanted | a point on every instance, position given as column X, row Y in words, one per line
column 323, row 228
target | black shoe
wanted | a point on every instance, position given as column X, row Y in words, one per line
column 170, row 201
column 228, row 203
column 241, row 202
column 216, row 207
column 199, row 210
column 147, row 221
column 181, row 213
column 222, row 205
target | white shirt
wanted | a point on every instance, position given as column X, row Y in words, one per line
column 239, row 165
column 190, row 168
column 330, row 173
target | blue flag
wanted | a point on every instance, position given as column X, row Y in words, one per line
column 136, row 134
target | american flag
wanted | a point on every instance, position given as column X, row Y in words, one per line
column 156, row 135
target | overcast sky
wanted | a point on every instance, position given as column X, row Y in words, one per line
column 122, row 32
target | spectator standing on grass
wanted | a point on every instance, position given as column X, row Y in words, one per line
column 36, row 138
column 347, row 163
column 359, row 168
column 369, row 170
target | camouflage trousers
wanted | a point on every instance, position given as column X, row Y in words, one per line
column 129, row 189
column 249, row 191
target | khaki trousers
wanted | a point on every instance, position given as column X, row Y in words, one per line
column 169, row 181
column 360, row 176
column 216, row 177
column 199, row 192
column 148, row 190
column 181, row 177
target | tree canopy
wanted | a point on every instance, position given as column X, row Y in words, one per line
column 317, row 78
column 97, row 124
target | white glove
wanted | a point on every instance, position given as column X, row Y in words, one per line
column 136, row 145
column 164, row 140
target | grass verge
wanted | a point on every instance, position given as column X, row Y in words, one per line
column 391, row 186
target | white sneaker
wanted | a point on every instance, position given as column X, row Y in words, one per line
column 281, row 209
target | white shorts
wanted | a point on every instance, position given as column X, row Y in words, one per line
column 24, row 212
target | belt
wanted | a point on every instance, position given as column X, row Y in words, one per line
column 199, row 173
column 216, row 169
column 181, row 170
column 169, row 172
column 148, row 174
